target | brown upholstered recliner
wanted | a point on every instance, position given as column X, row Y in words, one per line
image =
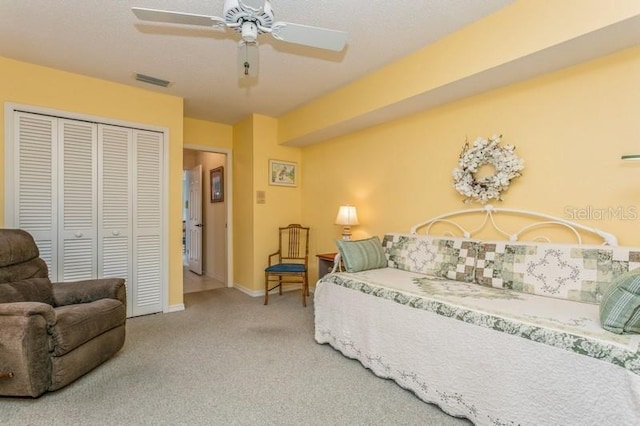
column 52, row 333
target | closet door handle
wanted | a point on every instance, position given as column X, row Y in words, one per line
column 115, row 232
column 78, row 234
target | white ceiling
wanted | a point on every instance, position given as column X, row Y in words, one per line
column 103, row 39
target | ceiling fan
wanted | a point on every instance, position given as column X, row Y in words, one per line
column 251, row 18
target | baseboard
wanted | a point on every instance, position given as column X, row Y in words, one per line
column 260, row 293
column 252, row 293
column 176, row 308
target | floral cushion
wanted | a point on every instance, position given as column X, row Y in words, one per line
column 452, row 258
column 565, row 271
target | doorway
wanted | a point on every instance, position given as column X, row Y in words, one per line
column 205, row 213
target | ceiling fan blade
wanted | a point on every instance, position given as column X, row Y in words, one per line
column 247, row 59
column 309, row 36
column 254, row 5
column 177, row 17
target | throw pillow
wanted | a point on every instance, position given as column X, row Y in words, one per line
column 620, row 305
column 362, row 255
column 447, row 257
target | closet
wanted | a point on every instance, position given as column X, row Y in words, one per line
column 91, row 195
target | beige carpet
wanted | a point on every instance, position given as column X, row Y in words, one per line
column 227, row 360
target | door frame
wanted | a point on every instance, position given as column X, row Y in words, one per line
column 228, row 194
column 11, row 108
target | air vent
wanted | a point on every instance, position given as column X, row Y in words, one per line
column 152, row 80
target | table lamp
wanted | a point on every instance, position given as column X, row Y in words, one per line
column 347, row 216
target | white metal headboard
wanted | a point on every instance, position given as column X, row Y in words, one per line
column 489, row 210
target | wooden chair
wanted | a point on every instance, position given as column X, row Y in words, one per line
column 290, row 263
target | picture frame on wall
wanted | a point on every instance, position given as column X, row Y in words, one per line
column 283, row 173
column 217, row 184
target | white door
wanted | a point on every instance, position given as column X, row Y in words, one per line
column 77, row 201
column 115, row 148
column 147, row 222
column 55, row 192
column 92, row 196
column 194, row 255
column 36, row 183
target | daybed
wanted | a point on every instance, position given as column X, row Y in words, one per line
column 498, row 332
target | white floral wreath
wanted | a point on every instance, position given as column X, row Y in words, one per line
column 486, row 151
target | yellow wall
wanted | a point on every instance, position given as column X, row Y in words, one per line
column 516, row 31
column 243, row 204
column 571, row 127
column 207, row 133
column 255, row 226
column 283, row 204
column 34, row 85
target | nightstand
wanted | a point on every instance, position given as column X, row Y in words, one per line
column 325, row 263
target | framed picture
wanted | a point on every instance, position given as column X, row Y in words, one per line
column 217, row 184
column 283, row 173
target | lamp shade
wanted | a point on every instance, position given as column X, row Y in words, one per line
column 347, row 216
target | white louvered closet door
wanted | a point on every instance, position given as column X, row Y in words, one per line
column 77, row 201
column 115, row 211
column 91, row 195
column 147, row 222
column 36, row 182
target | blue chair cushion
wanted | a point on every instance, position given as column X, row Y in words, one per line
column 286, row 267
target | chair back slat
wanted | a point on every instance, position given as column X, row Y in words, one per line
column 294, row 242
column 294, row 238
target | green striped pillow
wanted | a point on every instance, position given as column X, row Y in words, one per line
column 620, row 304
column 361, row 255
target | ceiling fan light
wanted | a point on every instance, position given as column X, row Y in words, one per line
column 249, row 31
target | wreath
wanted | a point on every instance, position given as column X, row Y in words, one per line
column 506, row 163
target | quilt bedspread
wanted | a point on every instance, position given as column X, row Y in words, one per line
column 565, row 324
column 494, row 356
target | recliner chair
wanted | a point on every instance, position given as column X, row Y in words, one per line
column 52, row 333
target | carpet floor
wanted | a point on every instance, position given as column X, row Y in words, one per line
column 227, row 360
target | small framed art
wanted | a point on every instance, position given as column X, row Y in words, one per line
column 283, row 173
column 217, row 184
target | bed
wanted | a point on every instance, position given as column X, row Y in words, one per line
column 499, row 348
